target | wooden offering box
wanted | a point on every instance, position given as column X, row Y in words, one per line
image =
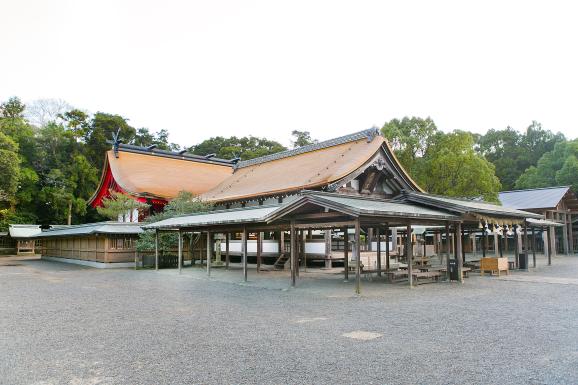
column 494, row 265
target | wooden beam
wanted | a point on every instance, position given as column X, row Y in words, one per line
column 180, row 252
column 409, row 255
column 156, row 249
column 459, row 251
column 209, row 252
column 378, row 236
column 227, row 251
column 387, row 246
column 357, row 246
column 346, row 252
column 293, row 233
column 244, row 253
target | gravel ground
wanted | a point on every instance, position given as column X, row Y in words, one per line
column 65, row 324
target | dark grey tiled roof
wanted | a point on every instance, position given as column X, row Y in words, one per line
column 171, row 154
column 369, row 134
column 538, row 198
column 92, row 228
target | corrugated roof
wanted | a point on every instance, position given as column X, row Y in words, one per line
column 465, row 205
column 369, row 206
column 538, row 198
column 92, row 228
column 24, row 231
column 221, row 217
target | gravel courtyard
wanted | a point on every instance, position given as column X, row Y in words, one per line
column 66, row 324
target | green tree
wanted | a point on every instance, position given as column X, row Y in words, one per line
column 302, row 138
column 410, row 138
column 9, row 168
column 513, row 152
column 100, row 130
column 452, row 167
column 161, row 139
column 184, row 203
column 119, row 204
column 556, row 167
column 245, row 148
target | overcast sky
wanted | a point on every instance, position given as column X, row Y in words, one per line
column 265, row 68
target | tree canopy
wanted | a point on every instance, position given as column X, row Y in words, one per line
column 246, row 147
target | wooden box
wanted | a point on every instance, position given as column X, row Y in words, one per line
column 494, row 265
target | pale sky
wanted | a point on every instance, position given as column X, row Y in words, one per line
column 264, row 68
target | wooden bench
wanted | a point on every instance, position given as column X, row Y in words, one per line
column 396, row 275
column 494, row 265
column 431, row 276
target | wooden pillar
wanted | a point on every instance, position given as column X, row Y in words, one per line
column 552, row 239
column 484, row 242
column 394, row 243
column 387, row 247
column 526, row 247
column 156, row 249
column 565, row 235
column 293, row 244
column 209, row 252
column 496, row 244
column 281, row 242
column 244, row 253
column 517, row 246
column 346, row 252
column 545, row 241
column 227, row 250
column 448, row 250
column 409, row 255
column 180, row 251
column 303, row 253
column 259, row 250
column 534, row 246
column 369, row 239
column 570, row 234
column 328, row 263
column 357, row 251
column 549, row 243
column 378, row 237
column 459, row 251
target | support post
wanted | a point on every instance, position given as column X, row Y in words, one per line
column 244, row 253
column 459, row 251
column 386, row 247
column 534, row 246
column 496, row 244
column 394, row 243
column 227, row 251
column 552, row 238
column 565, row 235
column 303, row 243
column 346, row 253
column 180, row 252
column 328, row 263
column 209, row 252
column 156, row 249
column 526, row 243
column 409, row 255
column 462, row 235
column 448, row 250
column 484, row 242
column 357, row 246
column 293, row 253
column 259, row 250
column 378, row 237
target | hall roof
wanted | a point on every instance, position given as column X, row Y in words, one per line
column 23, row 231
column 158, row 174
column 310, row 167
column 537, row 198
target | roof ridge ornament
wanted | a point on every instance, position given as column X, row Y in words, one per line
column 116, row 142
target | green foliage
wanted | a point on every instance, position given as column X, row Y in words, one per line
column 9, row 168
column 119, row 204
column 410, row 139
column 101, row 129
column 184, row 203
column 302, row 138
column 555, row 168
column 513, row 152
column 451, row 167
column 245, row 147
column 161, row 139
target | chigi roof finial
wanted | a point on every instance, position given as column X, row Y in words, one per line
column 116, row 142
